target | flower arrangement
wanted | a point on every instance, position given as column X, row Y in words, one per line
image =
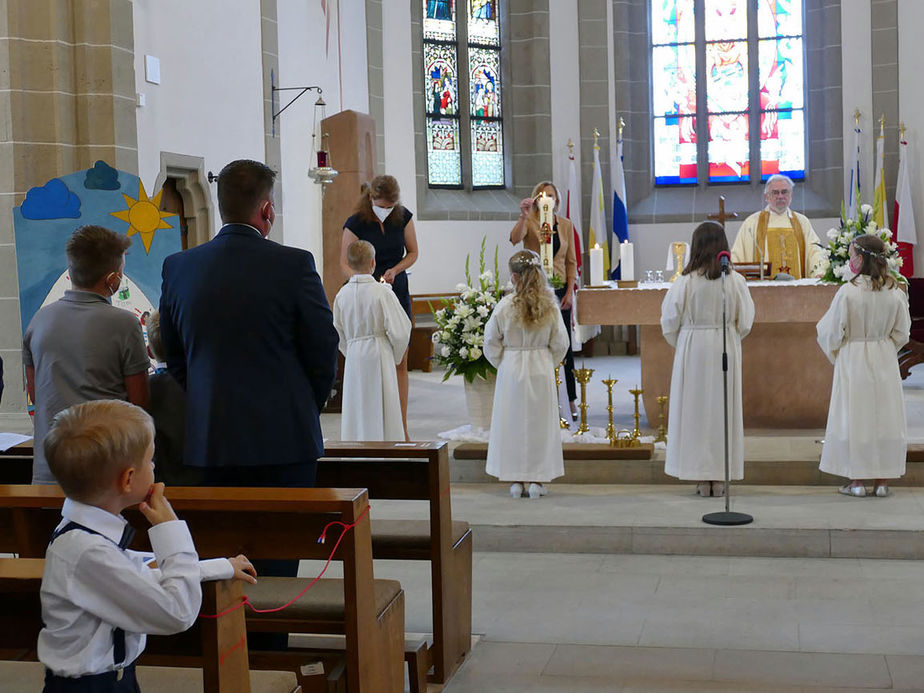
column 839, row 240
column 459, row 337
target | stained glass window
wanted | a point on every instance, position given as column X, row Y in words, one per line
column 740, row 119
column 463, row 108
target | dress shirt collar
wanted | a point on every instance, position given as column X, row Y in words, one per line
column 787, row 213
column 80, row 296
column 236, row 225
column 361, row 279
column 99, row 520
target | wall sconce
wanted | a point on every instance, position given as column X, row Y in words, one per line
column 321, row 171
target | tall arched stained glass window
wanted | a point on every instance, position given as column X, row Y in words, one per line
column 463, row 106
column 734, row 70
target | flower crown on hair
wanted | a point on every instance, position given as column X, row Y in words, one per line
column 884, row 255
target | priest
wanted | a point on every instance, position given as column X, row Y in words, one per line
column 779, row 235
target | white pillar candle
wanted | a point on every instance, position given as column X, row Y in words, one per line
column 596, row 265
column 627, row 261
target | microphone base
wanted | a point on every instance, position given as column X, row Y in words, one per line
column 727, row 519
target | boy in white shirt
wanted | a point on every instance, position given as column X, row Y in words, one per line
column 99, row 599
column 374, row 333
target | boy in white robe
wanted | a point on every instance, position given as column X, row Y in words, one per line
column 374, row 333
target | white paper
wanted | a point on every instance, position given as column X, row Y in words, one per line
column 9, row 440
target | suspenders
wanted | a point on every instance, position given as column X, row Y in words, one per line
column 118, row 635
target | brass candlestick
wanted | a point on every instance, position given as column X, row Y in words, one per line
column 680, row 251
column 636, row 432
column 561, row 420
column 662, row 427
column 582, row 375
column 610, row 429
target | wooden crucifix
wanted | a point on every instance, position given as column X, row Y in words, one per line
column 723, row 215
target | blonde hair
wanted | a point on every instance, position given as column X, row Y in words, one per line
column 533, row 303
column 381, row 187
column 539, row 187
column 155, row 341
column 875, row 261
column 360, row 254
column 91, row 444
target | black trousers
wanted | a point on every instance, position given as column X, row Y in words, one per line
column 569, row 357
column 96, row 683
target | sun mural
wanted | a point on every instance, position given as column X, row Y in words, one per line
column 144, row 216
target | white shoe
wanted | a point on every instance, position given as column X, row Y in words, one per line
column 516, row 490
column 537, row 490
column 855, row 491
column 882, row 490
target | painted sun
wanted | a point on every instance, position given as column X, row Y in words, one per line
column 143, row 215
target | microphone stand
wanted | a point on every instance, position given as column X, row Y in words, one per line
column 727, row 518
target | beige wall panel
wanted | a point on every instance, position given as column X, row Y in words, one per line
column 41, row 66
column 41, row 19
column 45, row 117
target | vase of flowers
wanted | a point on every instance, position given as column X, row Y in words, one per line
column 459, row 337
column 839, row 240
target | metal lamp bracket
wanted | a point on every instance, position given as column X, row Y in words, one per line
column 301, row 91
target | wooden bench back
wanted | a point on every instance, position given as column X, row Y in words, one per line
column 398, row 471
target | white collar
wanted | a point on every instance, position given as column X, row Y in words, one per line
column 361, row 278
column 787, row 213
column 99, row 520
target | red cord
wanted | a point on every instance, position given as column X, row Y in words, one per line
column 321, row 539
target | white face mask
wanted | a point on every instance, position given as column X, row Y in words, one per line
column 382, row 212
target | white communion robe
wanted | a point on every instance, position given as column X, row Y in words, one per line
column 691, row 320
column 525, row 439
column 374, row 333
column 861, row 334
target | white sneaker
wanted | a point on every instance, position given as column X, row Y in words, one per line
column 537, row 490
column 516, row 490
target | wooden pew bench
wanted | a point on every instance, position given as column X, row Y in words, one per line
column 268, row 523
column 223, row 664
column 416, row 471
column 420, row 349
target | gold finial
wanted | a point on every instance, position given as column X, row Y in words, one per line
column 901, row 132
column 570, row 148
column 596, row 137
column 621, row 125
column 882, row 124
column 856, row 117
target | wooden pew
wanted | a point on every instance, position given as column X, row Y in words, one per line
column 416, row 471
column 270, row 523
column 224, row 667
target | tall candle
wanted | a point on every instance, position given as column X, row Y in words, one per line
column 627, row 261
column 596, row 265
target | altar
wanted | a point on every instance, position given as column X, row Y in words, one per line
column 786, row 378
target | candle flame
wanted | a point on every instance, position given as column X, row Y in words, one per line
column 596, row 246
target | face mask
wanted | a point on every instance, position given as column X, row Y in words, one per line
column 382, row 212
column 855, row 265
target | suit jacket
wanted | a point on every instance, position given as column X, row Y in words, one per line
column 248, row 332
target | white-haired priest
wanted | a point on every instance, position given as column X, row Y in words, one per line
column 778, row 235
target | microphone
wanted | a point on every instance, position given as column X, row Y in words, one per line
column 724, row 258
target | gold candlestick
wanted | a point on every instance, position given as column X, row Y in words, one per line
column 582, row 375
column 610, row 429
column 636, row 432
column 662, row 428
column 561, row 420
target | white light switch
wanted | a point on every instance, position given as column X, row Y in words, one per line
column 152, row 69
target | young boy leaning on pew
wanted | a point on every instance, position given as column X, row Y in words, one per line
column 99, row 599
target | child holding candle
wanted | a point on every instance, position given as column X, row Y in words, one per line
column 525, row 340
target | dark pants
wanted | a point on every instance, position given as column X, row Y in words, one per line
column 266, row 476
column 569, row 357
column 97, row 683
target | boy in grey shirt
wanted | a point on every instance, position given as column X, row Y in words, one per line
column 81, row 347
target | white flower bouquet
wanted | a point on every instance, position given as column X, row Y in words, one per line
column 459, row 336
column 839, row 240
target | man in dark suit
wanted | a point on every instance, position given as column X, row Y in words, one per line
column 248, row 332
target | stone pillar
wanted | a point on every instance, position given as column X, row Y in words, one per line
column 67, row 99
column 269, row 33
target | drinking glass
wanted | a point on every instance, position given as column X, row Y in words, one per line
column 649, row 276
column 659, row 276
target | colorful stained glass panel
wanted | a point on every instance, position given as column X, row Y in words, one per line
column 675, row 151
column 729, row 150
column 439, row 20
column 487, row 153
column 444, row 157
column 782, row 143
column 727, row 76
column 483, row 25
column 726, row 20
column 673, row 71
column 779, row 18
column 672, row 21
column 440, row 90
column 484, row 82
column 781, row 70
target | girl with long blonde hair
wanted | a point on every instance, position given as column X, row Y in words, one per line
column 525, row 339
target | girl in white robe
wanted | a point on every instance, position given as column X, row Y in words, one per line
column 691, row 321
column 526, row 339
column 374, row 333
column 866, row 325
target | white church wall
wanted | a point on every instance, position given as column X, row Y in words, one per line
column 209, row 102
column 566, row 90
column 911, row 107
column 857, row 71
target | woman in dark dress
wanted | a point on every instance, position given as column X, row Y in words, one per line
column 380, row 219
